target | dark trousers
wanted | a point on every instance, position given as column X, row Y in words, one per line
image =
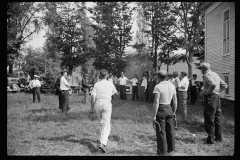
column 166, row 137
column 123, row 92
column 65, row 100
column 212, row 117
column 60, row 100
column 36, row 91
column 135, row 92
column 142, row 95
column 193, row 92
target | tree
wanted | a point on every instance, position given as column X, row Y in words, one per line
column 190, row 24
column 158, row 17
column 68, row 33
column 112, row 34
column 48, row 83
column 23, row 22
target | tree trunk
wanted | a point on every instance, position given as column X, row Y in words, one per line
column 10, row 68
column 70, row 70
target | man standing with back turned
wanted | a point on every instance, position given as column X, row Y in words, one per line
column 163, row 113
column 213, row 85
column 101, row 102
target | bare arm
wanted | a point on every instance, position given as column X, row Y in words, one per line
column 174, row 104
column 155, row 106
column 93, row 100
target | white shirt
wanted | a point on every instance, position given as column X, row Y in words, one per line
column 122, row 80
column 166, row 90
column 134, row 81
column 35, row 83
column 193, row 82
column 63, row 83
column 110, row 80
column 176, row 81
column 103, row 89
column 144, row 83
column 172, row 80
column 183, row 83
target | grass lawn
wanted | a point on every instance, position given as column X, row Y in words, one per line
column 40, row 129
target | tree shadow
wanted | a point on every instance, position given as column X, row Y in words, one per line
column 68, row 138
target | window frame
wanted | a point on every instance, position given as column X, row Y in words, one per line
column 225, row 39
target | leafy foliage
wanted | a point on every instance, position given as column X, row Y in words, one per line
column 48, row 83
column 22, row 23
column 112, row 34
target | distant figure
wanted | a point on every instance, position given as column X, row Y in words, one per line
column 58, row 90
column 101, row 102
column 176, row 81
column 213, row 85
column 182, row 92
column 151, row 85
column 35, row 86
column 122, row 83
column 134, row 88
column 163, row 113
column 64, row 87
column 143, row 89
column 86, row 87
column 193, row 89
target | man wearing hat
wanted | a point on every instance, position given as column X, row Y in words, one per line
column 143, row 96
column 58, row 90
column 101, row 103
column 35, row 86
column 122, row 85
column 182, row 94
column 86, row 86
column 64, row 87
column 212, row 86
column 163, row 113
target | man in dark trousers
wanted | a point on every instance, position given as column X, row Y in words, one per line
column 58, row 91
column 35, row 86
column 86, row 87
column 134, row 87
column 151, row 85
column 193, row 89
column 64, row 87
column 213, row 85
column 122, row 83
column 163, row 113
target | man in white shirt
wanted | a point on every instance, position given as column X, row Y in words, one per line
column 163, row 114
column 101, row 102
column 182, row 92
column 35, row 86
column 143, row 88
column 64, row 87
column 110, row 77
column 122, row 84
column 134, row 87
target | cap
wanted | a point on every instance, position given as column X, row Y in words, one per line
column 204, row 65
column 170, row 74
column 183, row 72
column 175, row 73
column 36, row 76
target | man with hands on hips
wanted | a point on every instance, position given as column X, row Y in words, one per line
column 163, row 114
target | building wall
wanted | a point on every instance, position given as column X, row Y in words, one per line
column 223, row 65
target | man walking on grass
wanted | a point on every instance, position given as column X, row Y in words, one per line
column 213, row 85
column 122, row 83
column 64, row 87
column 101, row 102
column 163, row 113
column 58, row 90
column 35, row 86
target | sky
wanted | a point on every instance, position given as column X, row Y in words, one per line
column 39, row 39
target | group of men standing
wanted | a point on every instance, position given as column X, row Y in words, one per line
column 168, row 92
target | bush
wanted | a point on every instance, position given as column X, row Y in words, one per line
column 48, row 83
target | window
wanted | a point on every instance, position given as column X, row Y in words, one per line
column 226, row 32
column 226, row 81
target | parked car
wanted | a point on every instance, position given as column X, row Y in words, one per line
column 12, row 79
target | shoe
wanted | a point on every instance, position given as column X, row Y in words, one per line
column 209, row 142
column 102, row 148
column 218, row 140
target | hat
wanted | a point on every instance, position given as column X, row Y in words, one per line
column 175, row 73
column 204, row 65
column 170, row 74
column 36, row 76
column 183, row 72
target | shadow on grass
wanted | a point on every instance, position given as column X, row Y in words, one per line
column 126, row 152
column 67, row 138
